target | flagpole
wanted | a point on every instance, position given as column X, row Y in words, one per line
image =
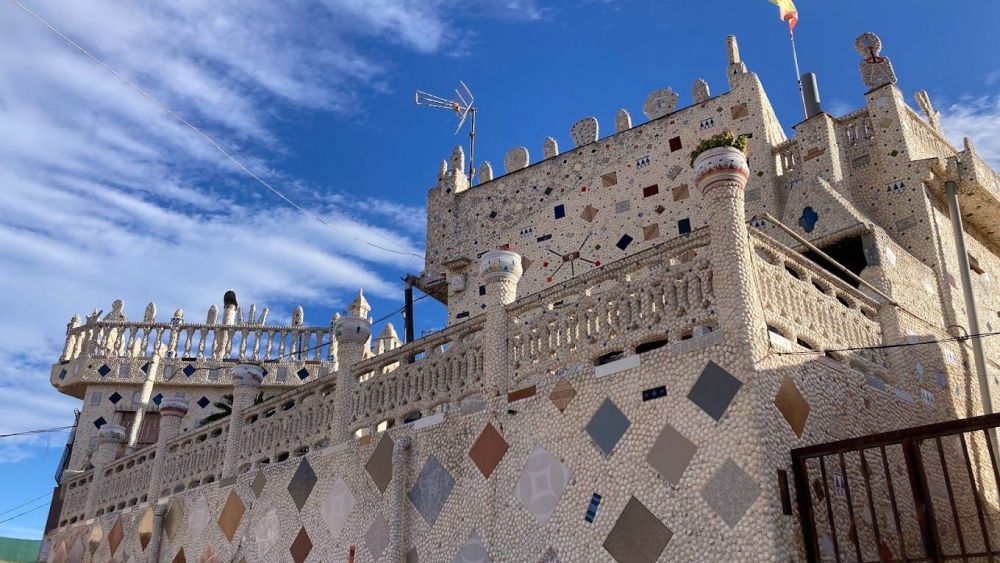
column 798, row 75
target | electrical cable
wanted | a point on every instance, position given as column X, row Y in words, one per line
column 39, row 507
column 206, row 136
column 26, row 503
column 41, row 431
column 886, row 346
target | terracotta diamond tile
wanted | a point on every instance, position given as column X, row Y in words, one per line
column 589, row 213
column 301, row 547
column 379, row 465
column 562, row 394
column 116, row 536
column 638, row 536
column 792, row 405
column 488, row 450
column 179, row 558
column 232, row 513
column 145, row 528
column 95, row 537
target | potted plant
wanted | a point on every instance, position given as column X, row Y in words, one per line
column 720, row 157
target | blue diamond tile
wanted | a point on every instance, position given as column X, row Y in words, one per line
column 607, row 426
column 431, row 490
column 559, row 211
column 157, row 399
column 100, row 422
column 104, row 370
column 808, row 219
column 624, row 242
column 203, row 402
column 302, row 373
column 62, row 374
column 189, row 370
column 114, row 398
column 145, row 367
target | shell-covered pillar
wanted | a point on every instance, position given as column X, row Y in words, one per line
column 501, row 270
column 109, row 438
column 246, row 385
column 398, row 500
column 721, row 174
column 172, row 410
column 144, row 398
column 159, row 511
column 353, row 331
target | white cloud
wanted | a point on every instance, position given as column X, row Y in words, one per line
column 105, row 196
column 977, row 119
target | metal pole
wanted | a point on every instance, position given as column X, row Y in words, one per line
column 798, row 75
column 472, row 144
column 408, row 311
column 970, row 299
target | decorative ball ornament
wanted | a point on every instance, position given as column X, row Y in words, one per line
column 868, row 44
column 660, row 103
column 720, row 165
column 499, row 264
column 247, row 374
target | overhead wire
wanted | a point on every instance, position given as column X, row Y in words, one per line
column 218, row 146
column 26, row 503
column 40, row 431
column 39, row 507
column 886, row 346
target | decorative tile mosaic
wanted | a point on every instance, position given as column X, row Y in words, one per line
column 714, row 390
column 595, row 501
column 302, row 483
column 562, row 394
column 203, row 402
column 199, row 517
column 651, row 232
column 638, row 536
column 792, row 405
column 473, row 551
column 337, row 507
column 145, row 528
column 730, row 492
column 609, row 179
column 607, row 426
column 489, row 449
column 542, row 482
column 431, row 490
column 671, row 454
column 650, row 191
column 116, row 535
column 521, row 394
column 114, row 398
column 628, row 362
column 808, row 219
column 589, row 213
column 99, row 422
column 379, row 465
column 301, row 546
column 258, row 483
column 267, row 531
column 680, row 193
column 209, row 555
column 232, row 514
column 173, row 518
column 624, row 242
column 654, row 393
column 104, row 370
column 684, row 226
column 377, row 536
column 189, row 370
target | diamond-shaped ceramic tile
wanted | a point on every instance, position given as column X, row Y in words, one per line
column 562, row 394
column 431, row 491
column 337, row 506
column 267, row 531
column 301, row 547
column 76, row 552
column 99, row 422
column 199, row 517
column 179, row 558
column 95, row 537
column 232, row 514
column 730, row 492
column 158, row 399
column 173, row 518
column 377, row 536
column 116, row 535
column 145, row 528
column 671, row 454
column 203, row 402
column 473, row 551
column 302, row 373
column 589, row 213
column 258, row 483
column 189, row 370
column 607, row 426
column 58, row 554
column 104, row 370
column 792, row 405
column 542, row 482
column 302, row 483
column 114, row 398
column 209, row 555
column 638, row 536
column 714, row 390
column 488, row 450
column 379, row 465
column 550, row 556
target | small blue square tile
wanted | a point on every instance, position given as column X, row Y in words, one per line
column 302, row 373
column 624, row 242
column 560, row 211
column 654, row 393
column 62, row 374
column 114, row 398
column 100, row 422
column 145, row 367
column 595, row 501
column 190, row 369
column 104, row 370
column 203, row 402
column 157, row 399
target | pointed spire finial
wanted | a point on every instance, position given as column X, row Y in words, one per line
column 359, row 307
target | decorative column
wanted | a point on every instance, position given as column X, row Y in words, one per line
column 353, row 331
column 721, row 174
column 172, row 410
column 147, row 393
column 398, row 488
column 109, row 437
column 501, row 270
column 246, row 385
column 159, row 510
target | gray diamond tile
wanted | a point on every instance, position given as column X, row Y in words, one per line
column 607, row 426
column 473, row 551
column 379, row 465
column 377, row 536
column 302, row 483
column 541, row 484
column 671, row 454
column 714, row 390
column 431, row 490
column 730, row 492
column 258, row 483
column 638, row 536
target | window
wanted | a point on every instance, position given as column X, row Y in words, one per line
column 95, row 398
column 213, row 375
column 282, row 375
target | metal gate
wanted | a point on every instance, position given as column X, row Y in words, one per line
column 928, row 493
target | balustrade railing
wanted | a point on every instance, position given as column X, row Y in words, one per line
column 194, row 458
column 74, row 498
column 292, row 424
column 663, row 293
column 126, row 480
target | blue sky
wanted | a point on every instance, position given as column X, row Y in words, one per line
column 104, row 196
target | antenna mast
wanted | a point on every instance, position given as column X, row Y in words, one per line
column 462, row 106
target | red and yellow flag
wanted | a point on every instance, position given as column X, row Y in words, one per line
column 787, row 12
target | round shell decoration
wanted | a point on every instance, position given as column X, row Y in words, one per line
column 868, row 44
column 584, row 131
column 660, row 103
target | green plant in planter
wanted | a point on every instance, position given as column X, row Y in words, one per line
column 724, row 139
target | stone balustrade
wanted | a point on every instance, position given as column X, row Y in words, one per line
column 810, row 306
column 194, row 458
column 74, row 497
column 126, row 481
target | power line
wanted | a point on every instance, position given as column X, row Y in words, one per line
column 206, row 136
column 886, row 346
column 40, row 431
column 39, row 507
column 26, row 503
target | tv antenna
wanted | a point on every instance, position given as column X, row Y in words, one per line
column 462, row 106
